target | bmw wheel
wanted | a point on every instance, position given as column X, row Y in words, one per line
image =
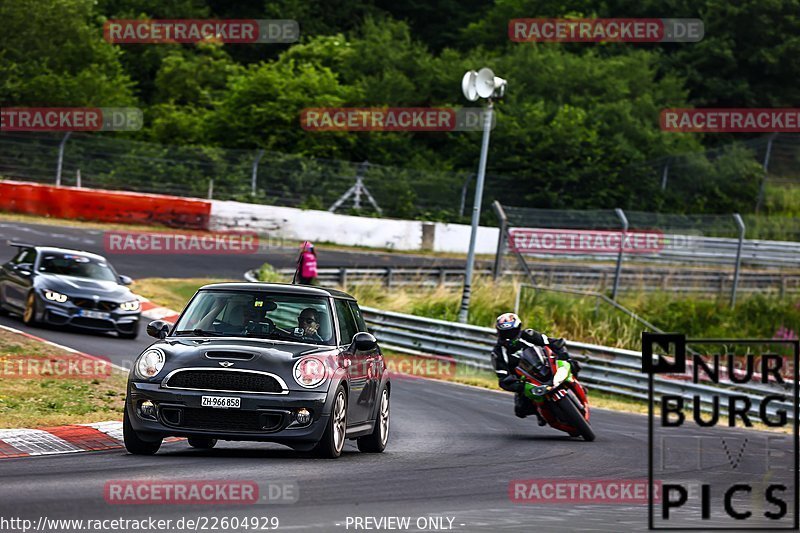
column 29, row 316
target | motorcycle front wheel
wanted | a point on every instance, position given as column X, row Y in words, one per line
column 569, row 413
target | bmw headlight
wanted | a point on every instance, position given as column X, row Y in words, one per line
column 150, row 363
column 54, row 296
column 309, row 372
column 133, row 305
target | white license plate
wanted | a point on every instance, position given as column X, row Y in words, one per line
column 94, row 314
column 221, row 402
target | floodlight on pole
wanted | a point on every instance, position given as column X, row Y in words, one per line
column 474, row 85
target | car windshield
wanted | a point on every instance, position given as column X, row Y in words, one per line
column 78, row 266
column 258, row 314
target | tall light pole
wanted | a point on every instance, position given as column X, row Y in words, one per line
column 483, row 84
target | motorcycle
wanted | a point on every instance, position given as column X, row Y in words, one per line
column 564, row 406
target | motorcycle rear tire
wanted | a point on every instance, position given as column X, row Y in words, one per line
column 570, row 414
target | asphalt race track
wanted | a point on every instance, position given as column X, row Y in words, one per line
column 199, row 266
column 453, row 452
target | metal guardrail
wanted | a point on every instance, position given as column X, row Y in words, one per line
column 611, row 370
column 713, row 250
column 580, row 277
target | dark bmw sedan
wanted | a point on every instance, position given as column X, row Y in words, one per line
column 261, row 362
column 64, row 287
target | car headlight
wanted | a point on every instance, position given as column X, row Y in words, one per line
column 54, row 296
column 133, row 305
column 309, row 372
column 150, row 363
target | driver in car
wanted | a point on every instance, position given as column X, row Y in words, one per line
column 308, row 325
column 511, row 339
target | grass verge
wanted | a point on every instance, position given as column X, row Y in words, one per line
column 39, row 397
column 172, row 293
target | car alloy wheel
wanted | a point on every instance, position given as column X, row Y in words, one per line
column 339, row 421
column 384, row 417
column 29, row 315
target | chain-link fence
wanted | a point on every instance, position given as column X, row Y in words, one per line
column 708, row 243
column 96, row 161
column 732, row 178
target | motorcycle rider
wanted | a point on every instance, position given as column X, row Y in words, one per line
column 511, row 339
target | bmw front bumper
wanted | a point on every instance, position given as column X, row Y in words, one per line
column 69, row 314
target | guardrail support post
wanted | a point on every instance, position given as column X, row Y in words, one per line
column 61, row 158
column 442, row 276
column 211, row 188
column 388, row 277
column 624, row 220
column 343, row 277
column 501, row 239
column 740, row 223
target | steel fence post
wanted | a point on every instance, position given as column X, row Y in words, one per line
column 254, row 177
column 765, row 165
column 501, row 238
column 624, row 220
column 61, row 158
column 740, row 223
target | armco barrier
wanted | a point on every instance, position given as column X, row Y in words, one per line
column 605, row 369
column 103, row 206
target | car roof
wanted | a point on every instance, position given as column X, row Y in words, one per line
column 286, row 288
column 57, row 250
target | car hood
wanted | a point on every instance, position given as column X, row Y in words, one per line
column 80, row 287
column 267, row 356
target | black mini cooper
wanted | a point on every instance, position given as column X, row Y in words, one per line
column 261, row 362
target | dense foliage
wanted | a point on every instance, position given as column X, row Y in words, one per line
column 576, row 121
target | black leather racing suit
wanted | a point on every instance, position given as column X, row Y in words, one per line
column 505, row 357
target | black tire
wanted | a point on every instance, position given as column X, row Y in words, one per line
column 3, row 310
column 332, row 442
column 130, row 336
column 29, row 316
column 376, row 441
column 570, row 414
column 133, row 443
column 202, row 443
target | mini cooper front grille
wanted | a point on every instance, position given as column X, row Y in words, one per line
column 224, row 380
column 226, row 420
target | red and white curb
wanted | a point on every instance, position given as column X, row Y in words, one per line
column 76, row 437
column 155, row 312
column 61, row 439
column 58, row 440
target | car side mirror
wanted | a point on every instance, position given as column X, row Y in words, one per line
column 364, row 342
column 24, row 268
column 125, row 280
column 158, row 329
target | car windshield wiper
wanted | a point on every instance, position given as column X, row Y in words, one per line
column 198, row 332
